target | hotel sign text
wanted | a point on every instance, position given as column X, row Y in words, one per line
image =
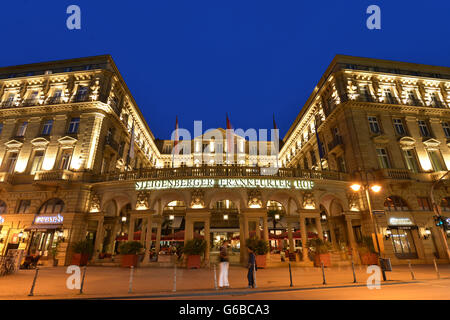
column 224, row 183
column 49, row 219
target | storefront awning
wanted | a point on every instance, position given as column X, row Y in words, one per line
column 37, row 227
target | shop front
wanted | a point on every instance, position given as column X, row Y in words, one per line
column 404, row 235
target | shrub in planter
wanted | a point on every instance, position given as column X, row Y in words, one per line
column 82, row 252
column 260, row 247
column 129, row 251
column 367, row 251
column 193, row 249
column 321, row 252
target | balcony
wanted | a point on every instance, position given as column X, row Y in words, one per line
column 335, row 145
column 30, row 102
column 55, row 100
column 81, row 98
column 221, row 171
column 8, row 104
column 54, row 175
column 397, row 174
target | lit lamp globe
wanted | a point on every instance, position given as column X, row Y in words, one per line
column 355, row 187
column 375, row 188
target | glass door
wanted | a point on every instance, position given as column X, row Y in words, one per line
column 403, row 243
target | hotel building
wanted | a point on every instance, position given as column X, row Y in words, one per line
column 78, row 161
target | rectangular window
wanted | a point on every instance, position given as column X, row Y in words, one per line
column 365, row 94
column 24, row 206
column 436, row 160
column 423, row 127
column 446, row 128
column 411, row 160
column 47, row 128
column 424, row 203
column 435, row 101
column 66, row 156
column 399, row 127
column 389, row 98
column 1, row 128
column 373, row 125
column 341, row 164
column 313, row 158
column 22, row 129
column 73, row 125
column 37, row 161
column 11, row 163
column 383, row 158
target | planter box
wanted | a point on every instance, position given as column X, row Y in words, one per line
column 129, row 260
column 369, row 258
column 193, row 261
column 80, row 259
column 261, row 261
column 322, row 257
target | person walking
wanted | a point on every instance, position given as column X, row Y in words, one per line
column 224, row 264
column 251, row 267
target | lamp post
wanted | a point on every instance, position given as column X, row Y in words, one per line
column 375, row 188
column 437, row 211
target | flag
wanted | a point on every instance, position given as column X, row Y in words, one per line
column 230, row 144
column 176, row 141
column 131, row 150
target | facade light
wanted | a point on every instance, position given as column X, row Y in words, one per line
column 355, row 187
column 277, row 217
column 376, row 188
column 171, row 217
column 225, row 217
column 124, row 219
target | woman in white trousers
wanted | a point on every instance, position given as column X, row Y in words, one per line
column 224, row 264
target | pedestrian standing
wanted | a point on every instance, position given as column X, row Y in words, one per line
column 251, row 267
column 224, row 264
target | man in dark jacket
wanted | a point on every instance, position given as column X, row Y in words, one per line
column 251, row 268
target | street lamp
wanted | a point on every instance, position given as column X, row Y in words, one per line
column 375, row 188
column 437, row 211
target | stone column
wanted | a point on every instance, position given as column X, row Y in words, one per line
column 265, row 229
column 246, row 231
column 351, row 238
column 243, row 248
column 291, row 239
column 148, row 239
column 208, row 239
column 319, row 227
column 304, row 238
column 98, row 238
column 131, row 228
column 158, row 238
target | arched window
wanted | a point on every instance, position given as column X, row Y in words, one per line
column 225, row 205
column 445, row 204
column 273, row 205
column 174, row 206
column 395, row 203
column 2, row 207
column 54, row 205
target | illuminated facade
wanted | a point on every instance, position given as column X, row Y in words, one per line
column 67, row 171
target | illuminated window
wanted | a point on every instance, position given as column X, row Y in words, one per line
column 445, row 204
column 399, row 127
column 11, row 162
column 52, row 206
column 373, row 124
column 24, row 206
column 383, row 158
column 66, row 156
column 411, row 160
column 395, row 203
column 436, row 160
column 37, row 161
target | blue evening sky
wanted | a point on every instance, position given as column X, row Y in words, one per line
column 199, row 59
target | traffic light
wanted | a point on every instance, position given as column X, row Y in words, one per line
column 439, row 221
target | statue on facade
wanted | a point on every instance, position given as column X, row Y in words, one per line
column 142, row 200
column 254, row 199
column 197, row 199
column 95, row 202
column 308, row 201
column 353, row 201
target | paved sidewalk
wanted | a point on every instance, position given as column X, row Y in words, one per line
column 113, row 282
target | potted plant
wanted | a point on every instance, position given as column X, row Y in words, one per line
column 261, row 248
column 367, row 251
column 82, row 251
column 129, row 251
column 321, row 252
column 193, row 249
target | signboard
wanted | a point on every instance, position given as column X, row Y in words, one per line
column 224, row 183
column 378, row 211
column 400, row 221
column 2, row 220
column 58, row 219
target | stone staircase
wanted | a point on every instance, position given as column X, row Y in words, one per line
column 337, row 260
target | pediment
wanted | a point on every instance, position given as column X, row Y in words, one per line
column 407, row 141
column 381, row 139
column 432, row 143
column 39, row 142
column 67, row 141
column 13, row 144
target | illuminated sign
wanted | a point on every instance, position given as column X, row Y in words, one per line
column 400, row 222
column 2, row 220
column 224, row 183
column 49, row 219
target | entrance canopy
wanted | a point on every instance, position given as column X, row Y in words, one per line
column 40, row 227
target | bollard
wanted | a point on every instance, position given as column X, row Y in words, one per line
column 437, row 270
column 254, row 274
column 175, row 279
column 82, row 280
column 354, row 275
column 215, row 277
column 323, row 274
column 34, row 283
column 290, row 274
column 130, row 285
column 410, row 269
